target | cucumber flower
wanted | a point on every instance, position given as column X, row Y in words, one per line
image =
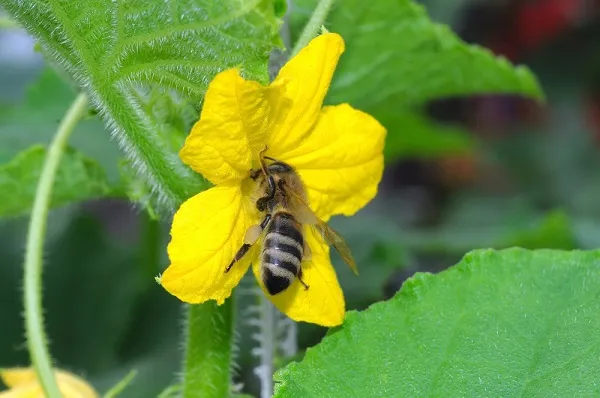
column 23, row 383
column 336, row 150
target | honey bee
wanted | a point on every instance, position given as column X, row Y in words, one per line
column 281, row 196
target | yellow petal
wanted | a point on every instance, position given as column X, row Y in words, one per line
column 207, row 231
column 306, row 78
column 31, row 390
column 323, row 302
column 16, row 376
column 341, row 161
column 23, row 383
column 232, row 126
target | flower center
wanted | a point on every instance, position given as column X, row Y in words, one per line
column 251, row 191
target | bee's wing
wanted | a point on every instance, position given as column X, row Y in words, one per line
column 333, row 238
column 330, row 235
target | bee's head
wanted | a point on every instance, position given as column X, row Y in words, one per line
column 278, row 167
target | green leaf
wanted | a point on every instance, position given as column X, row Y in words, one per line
column 79, row 178
column 508, row 323
column 121, row 52
column 395, row 53
column 415, row 136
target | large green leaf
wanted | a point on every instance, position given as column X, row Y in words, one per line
column 78, row 178
column 123, row 52
column 508, row 323
column 395, row 53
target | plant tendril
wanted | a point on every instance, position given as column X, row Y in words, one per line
column 34, row 318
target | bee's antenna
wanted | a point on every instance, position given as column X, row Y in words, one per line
column 262, row 161
column 270, row 158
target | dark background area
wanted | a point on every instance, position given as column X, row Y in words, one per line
column 532, row 180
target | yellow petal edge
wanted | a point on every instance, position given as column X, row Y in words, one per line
column 306, row 78
column 207, row 231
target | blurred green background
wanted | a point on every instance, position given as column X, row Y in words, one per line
column 494, row 171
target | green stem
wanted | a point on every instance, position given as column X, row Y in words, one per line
column 209, row 342
column 121, row 385
column 34, row 319
column 317, row 19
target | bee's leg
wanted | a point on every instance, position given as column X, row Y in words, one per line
column 254, row 174
column 261, row 203
column 301, row 281
column 251, row 237
column 272, row 188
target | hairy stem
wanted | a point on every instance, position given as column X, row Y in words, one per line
column 34, row 319
column 267, row 341
column 209, row 342
column 317, row 19
column 289, row 340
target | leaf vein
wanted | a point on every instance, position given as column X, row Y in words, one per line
column 160, row 34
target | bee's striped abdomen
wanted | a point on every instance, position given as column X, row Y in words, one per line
column 282, row 252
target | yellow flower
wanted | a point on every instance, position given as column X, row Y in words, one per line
column 336, row 150
column 23, row 383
